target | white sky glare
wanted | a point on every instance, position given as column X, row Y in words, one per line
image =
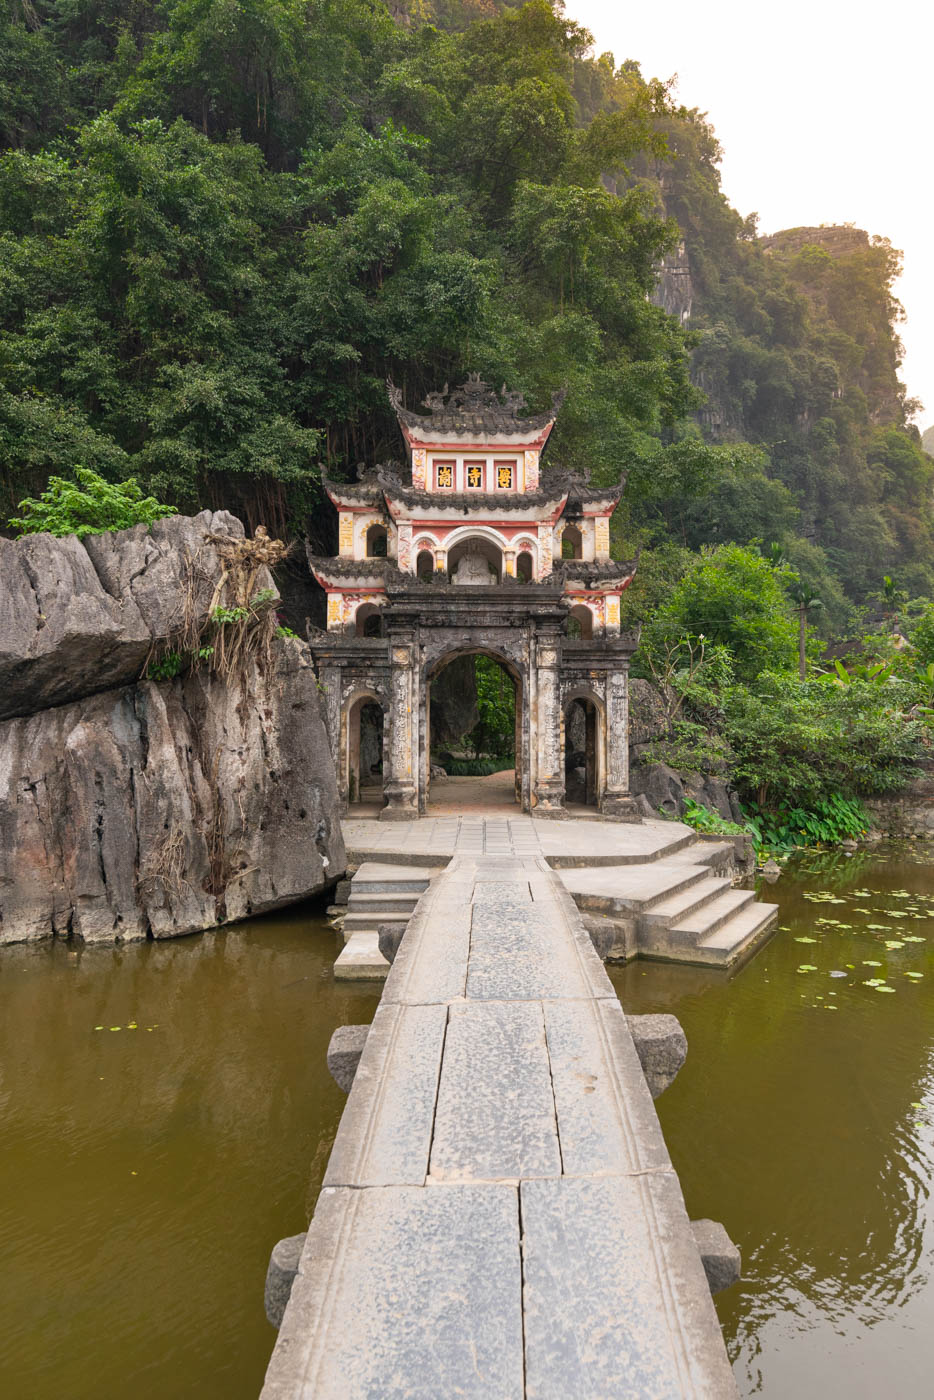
column 823, row 112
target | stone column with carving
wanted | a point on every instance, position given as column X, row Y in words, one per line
column 545, row 550
column 404, row 547
column 549, row 776
column 400, row 787
column 616, row 801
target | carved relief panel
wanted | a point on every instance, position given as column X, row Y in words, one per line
column 419, row 468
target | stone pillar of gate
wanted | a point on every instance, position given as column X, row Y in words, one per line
column 400, row 784
column 549, row 767
column 616, row 801
column 335, row 722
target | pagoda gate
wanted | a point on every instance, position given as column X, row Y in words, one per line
column 476, row 551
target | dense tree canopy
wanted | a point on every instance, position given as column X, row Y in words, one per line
column 223, row 225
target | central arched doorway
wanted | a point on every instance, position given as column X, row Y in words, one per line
column 473, row 705
column 365, row 752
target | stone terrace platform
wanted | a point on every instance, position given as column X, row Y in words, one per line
column 653, row 889
column 566, row 844
column 500, row 1216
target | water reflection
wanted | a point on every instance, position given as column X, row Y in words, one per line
column 148, row 1166
column 145, row 1173
column 803, row 1119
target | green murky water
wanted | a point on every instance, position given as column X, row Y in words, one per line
column 145, row 1174
column 804, row 1120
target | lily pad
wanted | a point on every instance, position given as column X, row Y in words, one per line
column 885, row 989
column 837, row 973
column 915, row 976
column 894, row 943
column 870, row 962
column 805, row 940
column 807, row 967
column 874, row 982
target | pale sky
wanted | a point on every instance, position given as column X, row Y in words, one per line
column 824, row 115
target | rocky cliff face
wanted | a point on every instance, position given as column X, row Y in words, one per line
column 152, row 808
column 78, row 616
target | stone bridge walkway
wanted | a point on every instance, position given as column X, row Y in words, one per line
column 500, row 1217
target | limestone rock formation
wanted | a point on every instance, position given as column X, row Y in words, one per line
column 78, row 616
column 648, row 714
column 151, row 807
column 167, row 808
column 454, row 710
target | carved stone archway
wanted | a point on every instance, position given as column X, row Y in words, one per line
column 522, row 627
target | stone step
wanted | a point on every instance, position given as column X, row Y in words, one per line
column 610, row 890
column 357, row 922
column 705, row 921
column 361, row 960
column 711, row 853
column 376, row 877
column 403, row 902
column 738, row 934
column 687, row 901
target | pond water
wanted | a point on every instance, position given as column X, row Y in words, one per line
column 804, row 1120
column 146, row 1170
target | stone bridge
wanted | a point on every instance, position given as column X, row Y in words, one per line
column 500, row 1216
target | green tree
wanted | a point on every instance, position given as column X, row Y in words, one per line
column 734, row 598
column 88, row 505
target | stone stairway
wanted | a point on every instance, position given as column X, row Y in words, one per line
column 681, row 907
column 379, row 894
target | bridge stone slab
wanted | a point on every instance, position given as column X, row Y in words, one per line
column 405, row 1293
column 495, row 1118
column 606, row 1122
column 385, row 1132
column 616, row 1300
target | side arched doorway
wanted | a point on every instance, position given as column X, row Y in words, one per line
column 365, row 751
column 474, row 729
column 583, row 752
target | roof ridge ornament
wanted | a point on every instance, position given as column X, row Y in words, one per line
column 474, row 404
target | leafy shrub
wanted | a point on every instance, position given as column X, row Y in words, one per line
column 702, row 818
column 799, row 743
column 87, row 506
column 166, row 667
column 922, row 636
column 826, row 822
column 691, row 747
column 171, row 663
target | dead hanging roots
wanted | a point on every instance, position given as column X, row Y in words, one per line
column 241, row 621
column 238, row 629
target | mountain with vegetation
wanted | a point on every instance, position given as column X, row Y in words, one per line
column 224, row 226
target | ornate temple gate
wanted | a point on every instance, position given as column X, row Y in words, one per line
column 519, row 625
column 476, row 552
